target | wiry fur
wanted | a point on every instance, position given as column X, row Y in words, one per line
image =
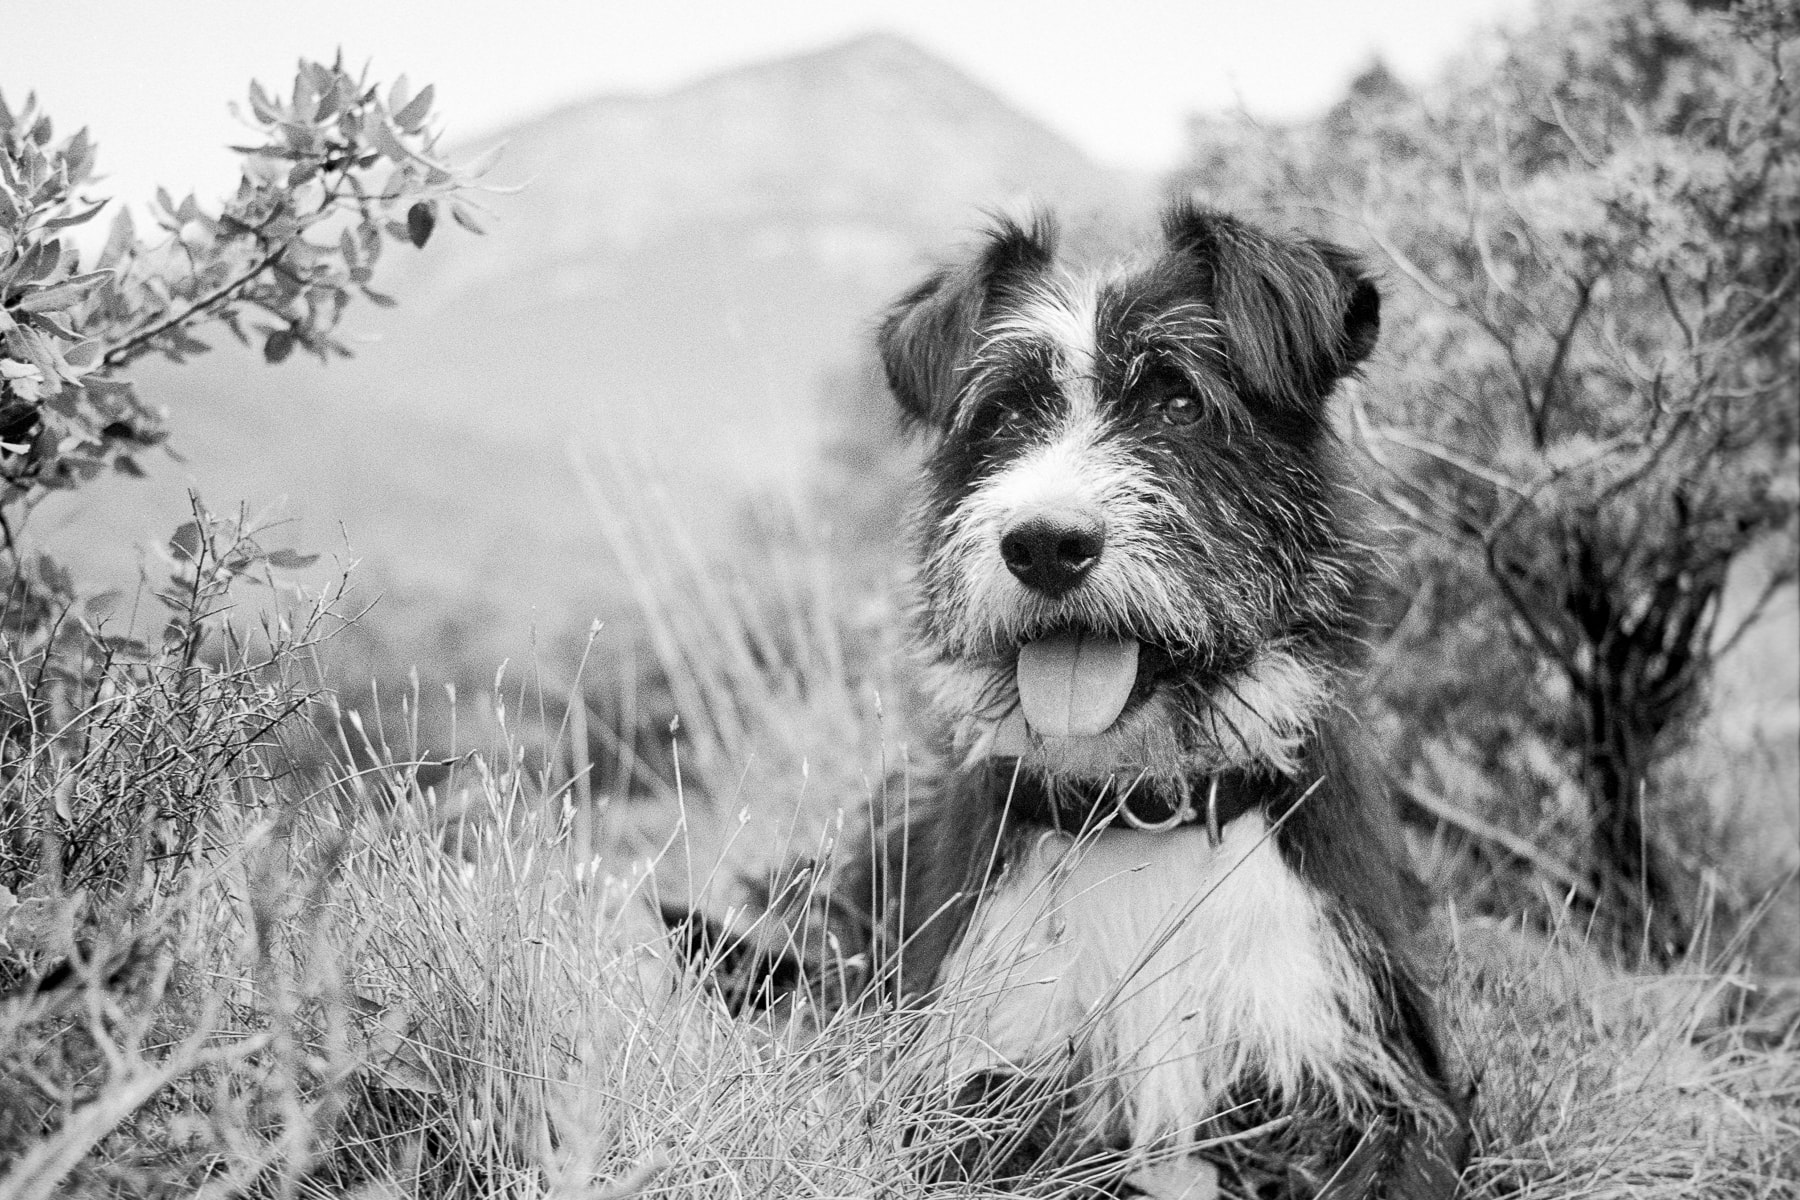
column 1151, row 992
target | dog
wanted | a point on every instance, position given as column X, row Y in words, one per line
column 1158, row 916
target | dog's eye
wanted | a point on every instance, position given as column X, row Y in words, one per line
column 1179, row 409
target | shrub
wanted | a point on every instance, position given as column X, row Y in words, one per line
column 1593, row 243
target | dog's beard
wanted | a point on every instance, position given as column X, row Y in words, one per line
column 1174, row 724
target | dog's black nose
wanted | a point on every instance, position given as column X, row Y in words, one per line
column 1052, row 550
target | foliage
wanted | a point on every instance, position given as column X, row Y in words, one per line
column 115, row 754
column 1594, row 251
column 143, row 742
column 333, row 170
column 336, row 1005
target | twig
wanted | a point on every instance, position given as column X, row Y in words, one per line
column 1540, row 412
column 1512, row 843
column 1407, row 267
column 122, row 353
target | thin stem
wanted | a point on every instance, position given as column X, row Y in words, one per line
column 128, row 349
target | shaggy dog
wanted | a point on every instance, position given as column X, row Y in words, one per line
column 1158, row 914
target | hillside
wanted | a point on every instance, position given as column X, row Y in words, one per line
column 672, row 281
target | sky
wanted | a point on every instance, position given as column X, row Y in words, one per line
column 151, row 78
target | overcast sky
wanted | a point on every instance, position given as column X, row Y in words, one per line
column 151, row 78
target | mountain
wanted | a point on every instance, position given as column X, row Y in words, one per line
column 672, row 282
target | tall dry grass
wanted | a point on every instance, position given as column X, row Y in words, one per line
column 375, row 980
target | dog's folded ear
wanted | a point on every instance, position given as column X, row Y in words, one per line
column 1299, row 314
column 929, row 336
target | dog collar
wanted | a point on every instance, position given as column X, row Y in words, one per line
column 1214, row 801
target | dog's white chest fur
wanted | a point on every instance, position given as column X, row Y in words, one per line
column 1159, row 963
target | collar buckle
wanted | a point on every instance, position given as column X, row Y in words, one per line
column 1185, row 813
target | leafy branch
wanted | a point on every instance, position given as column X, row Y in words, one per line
column 336, row 169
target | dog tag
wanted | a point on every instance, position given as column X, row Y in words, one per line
column 1072, row 685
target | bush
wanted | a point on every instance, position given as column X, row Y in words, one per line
column 1593, row 243
column 338, row 169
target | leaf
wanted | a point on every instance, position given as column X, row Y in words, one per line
column 329, row 99
column 28, row 344
column 101, row 604
column 263, row 106
column 231, row 321
column 121, row 239
column 483, row 162
column 410, row 117
column 387, row 141
column 80, row 218
column 305, row 101
column 291, row 560
column 421, row 219
column 78, row 157
column 184, row 543
column 129, row 647
column 279, row 345
column 39, row 262
column 49, row 324
column 83, row 355
column 463, row 217
column 61, row 295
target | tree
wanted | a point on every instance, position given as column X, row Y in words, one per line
column 1595, row 250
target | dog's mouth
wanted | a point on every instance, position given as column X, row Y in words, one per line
column 1080, row 683
column 1076, row 684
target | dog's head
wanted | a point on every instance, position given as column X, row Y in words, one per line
column 1131, row 546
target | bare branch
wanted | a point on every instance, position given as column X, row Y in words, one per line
column 124, row 351
column 1406, row 266
column 1443, row 454
column 1584, row 293
column 1562, row 122
column 1467, row 822
column 1526, row 612
column 1674, row 307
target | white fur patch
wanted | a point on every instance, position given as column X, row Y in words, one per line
column 1171, row 968
column 1062, row 312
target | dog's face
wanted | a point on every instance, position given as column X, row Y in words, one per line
column 1131, row 553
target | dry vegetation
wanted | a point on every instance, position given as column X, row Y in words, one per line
column 351, row 983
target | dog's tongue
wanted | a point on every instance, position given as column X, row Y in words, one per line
column 1074, row 685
